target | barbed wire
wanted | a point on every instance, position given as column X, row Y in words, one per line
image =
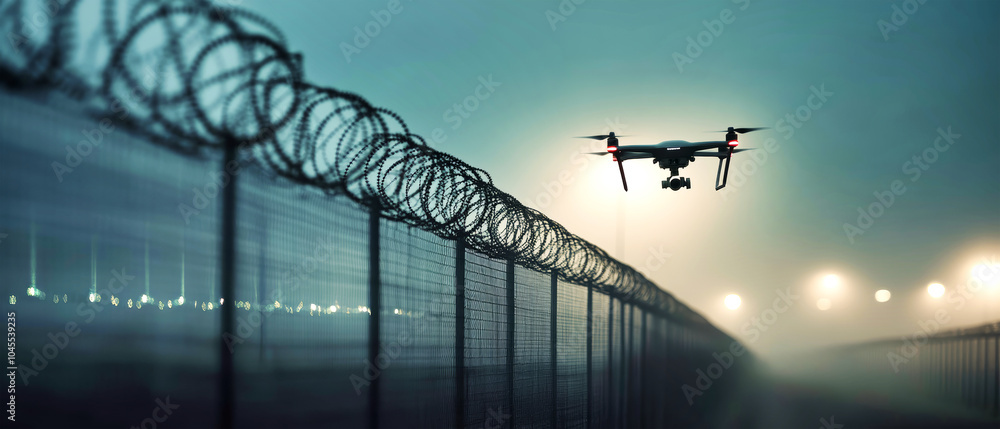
column 195, row 77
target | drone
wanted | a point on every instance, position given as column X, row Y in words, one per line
column 676, row 154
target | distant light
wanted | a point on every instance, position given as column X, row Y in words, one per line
column 91, row 298
column 823, row 304
column 333, row 309
column 277, row 304
column 312, row 307
column 170, row 304
column 882, row 295
column 936, row 290
column 733, row 301
column 180, row 301
column 145, row 298
column 733, row 143
column 32, row 291
column 221, row 300
column 210, row 306
column 13, row 300
column 831, row 281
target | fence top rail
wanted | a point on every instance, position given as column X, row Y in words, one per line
column 987, row 330
column 223, row 76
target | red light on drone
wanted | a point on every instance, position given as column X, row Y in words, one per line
column 733, row 142
column 612, row 148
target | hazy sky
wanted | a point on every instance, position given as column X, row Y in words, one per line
column 560, row 70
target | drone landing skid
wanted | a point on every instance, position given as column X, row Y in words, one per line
column 724, row 173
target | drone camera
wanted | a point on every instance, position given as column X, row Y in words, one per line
column 676, row 183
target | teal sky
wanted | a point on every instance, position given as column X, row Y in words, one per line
column 611, row 66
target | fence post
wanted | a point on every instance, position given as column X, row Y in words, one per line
column 228, row 280
column 643, row 400
column 611, row 359
column 621, row 365
column 996, row 375
column 510, row 338
column 374, row 308
column 590, row 348
column 554, row 298
column 460, row 331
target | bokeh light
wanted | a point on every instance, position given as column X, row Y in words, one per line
column 936, row 290
column 882, row 295
column 733, row 301
column 831, row 281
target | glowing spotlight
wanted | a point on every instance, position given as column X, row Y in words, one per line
column 733, row 301
column 936, row 290
column 145, row 298
column 882, row 295
column 831, row 281
column 823, row 304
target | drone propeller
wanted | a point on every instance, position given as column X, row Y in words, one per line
column 741, row 130
column 598, row 153
column 598, row 137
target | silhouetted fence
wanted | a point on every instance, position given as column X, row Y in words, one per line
column 961, row 365
column 398, row 287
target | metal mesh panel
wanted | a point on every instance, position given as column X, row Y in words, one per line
column 302, row 272
column 485, row 339
column 418, row 328
column 532, row 360
column 600, row 371
column 571, row 364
